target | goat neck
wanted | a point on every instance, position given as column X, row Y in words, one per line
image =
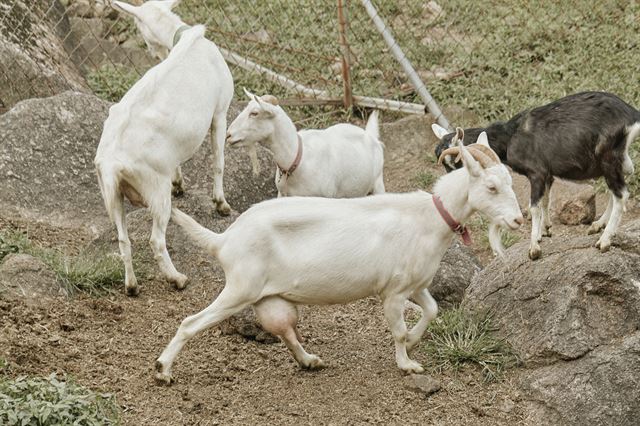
column 168, row 36
column 283, row 142
column 453, row 190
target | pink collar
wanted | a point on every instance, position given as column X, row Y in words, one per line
column 455, row 226
column 296, row 161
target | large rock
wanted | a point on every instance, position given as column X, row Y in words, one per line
column 574, row 203
column 47, row 148
column 574, row 317
column 599, row 389
column 25, row 277
column 33, row 59
column 456, row 270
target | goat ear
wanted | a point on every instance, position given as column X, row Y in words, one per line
column 483, row 139
column 439, row 131
column 473, row 167
column 125, row 7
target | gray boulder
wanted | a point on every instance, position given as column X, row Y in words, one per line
column 33, row 58
column 456, row 270
column 573, row 316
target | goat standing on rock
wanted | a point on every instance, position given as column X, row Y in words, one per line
column 342, row 161
column 160, row 123
column 581, row 136
column 311, row 250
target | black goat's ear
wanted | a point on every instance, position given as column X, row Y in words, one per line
column 439, row 131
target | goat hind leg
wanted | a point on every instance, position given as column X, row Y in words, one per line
column 130, row 281
column 546, row 217
column 161, row 215
column 599, row 224
column 217, row 137
column 226, row 304
column 177, row 183
column 604, row 242
column 280, row 317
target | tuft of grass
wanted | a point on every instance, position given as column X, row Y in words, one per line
column 480, row 227
column 94, row 272
column 460, row 338
column 425, row 179
column 111, row 82
column 50, row 401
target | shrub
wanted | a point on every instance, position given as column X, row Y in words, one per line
column 49, row 401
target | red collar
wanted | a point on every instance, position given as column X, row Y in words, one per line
column 455, row 226
column 296, row 161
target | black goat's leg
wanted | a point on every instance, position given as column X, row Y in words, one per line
column 546, row 230
column 599, row 224
column 619, row 196
column 537, row 192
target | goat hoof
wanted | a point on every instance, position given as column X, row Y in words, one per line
column 593, row 229
column 314, row 364
column 163, row 378
column 223, row 208
column 546, row 233
column 177, row 190
column 535, row 253
column 132, row 291
column 179, row 282
column 412, row 368
column 604, row 246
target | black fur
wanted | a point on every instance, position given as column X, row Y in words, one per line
column 580, row 136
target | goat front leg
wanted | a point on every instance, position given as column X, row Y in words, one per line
column 393, row 310
column 226, row 304
column 599, row 224
column 538, row 189
column 429, row 311
column 217, row 137
column 546, row 216
column 604, row 243
column 280, row 317
column 161, row 214
column 177, row 183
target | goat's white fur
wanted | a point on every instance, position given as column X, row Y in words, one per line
column 310, row 250
column 160, row 123
column 342, row 161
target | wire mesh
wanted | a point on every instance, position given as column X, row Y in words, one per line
column 491, row 57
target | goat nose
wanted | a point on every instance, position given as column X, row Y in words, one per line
column 519, row 220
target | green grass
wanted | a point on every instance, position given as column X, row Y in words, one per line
column 111, row 82
column 94, row 271
column 425, row 179
column 479, row 228
column 459, row 338
column 50, row 401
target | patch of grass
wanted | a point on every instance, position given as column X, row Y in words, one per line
column 7, row 246
column 49, row 401
column 460, row 338
column 94, row 272
column 111, row 82
column 425, row 179
column 479, row 228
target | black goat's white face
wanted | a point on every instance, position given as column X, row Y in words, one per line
column 448, row 140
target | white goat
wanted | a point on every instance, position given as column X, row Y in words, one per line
column 160, row 123
column 342, row 161
column 308, row 250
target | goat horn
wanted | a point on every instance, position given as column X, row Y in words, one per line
column 454, row 150
column 269, row 99
column 485, row 160
column 487, row 151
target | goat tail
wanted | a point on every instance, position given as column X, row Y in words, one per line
column 204, row 237
column 373, row 128
column 109, row 188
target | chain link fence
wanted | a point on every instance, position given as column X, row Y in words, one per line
column 489, row 57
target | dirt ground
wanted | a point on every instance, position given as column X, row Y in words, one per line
column 110, row 344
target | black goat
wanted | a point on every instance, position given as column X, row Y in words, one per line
column 581, row 136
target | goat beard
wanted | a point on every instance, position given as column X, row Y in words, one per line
column 495, row 240
column 253, row 155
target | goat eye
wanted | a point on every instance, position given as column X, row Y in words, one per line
column 253, row 114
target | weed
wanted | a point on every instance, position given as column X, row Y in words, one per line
column 49, row 401
column 425, row 179
column 111, row 82
column 94, row 271
column 459, row 337
column 480, row 227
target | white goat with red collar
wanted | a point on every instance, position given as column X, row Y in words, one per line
column 311, row 250
column 342, row 161
column 160, row 123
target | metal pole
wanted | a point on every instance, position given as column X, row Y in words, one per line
column 406, row 65
column 346, row 61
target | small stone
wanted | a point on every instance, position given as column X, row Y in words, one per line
column 422, row 383
column 576, row 204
